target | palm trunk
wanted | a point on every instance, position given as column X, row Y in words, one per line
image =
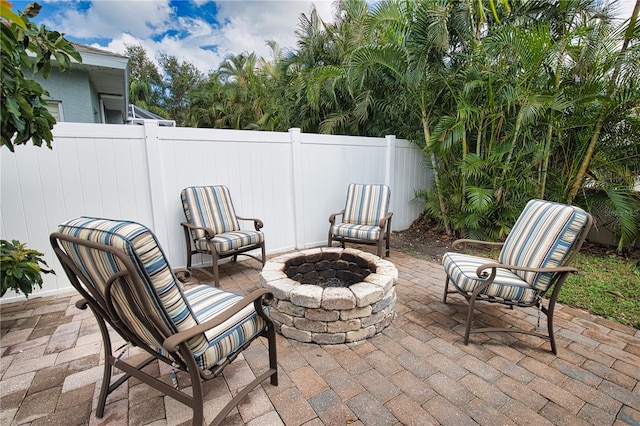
column 595, row 137
column 436, row 177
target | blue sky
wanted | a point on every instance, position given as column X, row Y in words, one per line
column 202, row 32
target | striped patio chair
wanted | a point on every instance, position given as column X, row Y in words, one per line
column 214, row 228
column 534, row 257
column 365, row 218
column 124, row 278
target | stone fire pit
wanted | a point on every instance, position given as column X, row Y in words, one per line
column 330, row 295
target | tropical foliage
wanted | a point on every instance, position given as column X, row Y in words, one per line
column 509, row 100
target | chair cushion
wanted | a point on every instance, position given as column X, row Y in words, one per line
column 366, row 204
column 541, row 237
column 227, row 338
column 179, row 309
column 231, row 241
column 209, row 207
column 361, row 232
column 461, row 269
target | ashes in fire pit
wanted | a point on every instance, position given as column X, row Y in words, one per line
column 330, row 295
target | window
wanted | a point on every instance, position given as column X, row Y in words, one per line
column 55, row 109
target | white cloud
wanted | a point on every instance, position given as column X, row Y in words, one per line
column 241, row 26
column 110, row 19
column 249, row 24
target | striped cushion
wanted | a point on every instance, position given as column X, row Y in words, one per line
column 231, row 335
column 542, row 237
column 366, row 204
column 231, row 241
column 209, row 207
column 179, row 310
column 362, row 232
column 461, row 269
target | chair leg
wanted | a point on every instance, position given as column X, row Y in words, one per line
column 467, row 331
column 446, row 290
column 264, row 256
column 549, row 313
column 214, row 267
column 108, row 367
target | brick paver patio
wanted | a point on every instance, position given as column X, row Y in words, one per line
column 416, row 372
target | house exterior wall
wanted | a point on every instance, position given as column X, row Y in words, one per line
column 291, row 180
column 73, row 88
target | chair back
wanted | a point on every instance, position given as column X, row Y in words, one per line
column 366, row 204
column 120, row 269
column 209, row 207
column 546, row 234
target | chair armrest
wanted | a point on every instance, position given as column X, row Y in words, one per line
column 257, row 223
column 172, row 343
column 209, row 233
column 383, row 221
column 463, row 242
column 332, row 218
column 482, row 268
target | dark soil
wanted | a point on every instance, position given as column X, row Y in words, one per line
column 424, row 239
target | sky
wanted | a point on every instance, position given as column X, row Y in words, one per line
column 202, row 32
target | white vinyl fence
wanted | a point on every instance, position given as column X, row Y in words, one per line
column 291, row 180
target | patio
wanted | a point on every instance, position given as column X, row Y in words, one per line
column 417, row 371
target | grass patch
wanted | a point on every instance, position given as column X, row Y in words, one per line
column 608, row 286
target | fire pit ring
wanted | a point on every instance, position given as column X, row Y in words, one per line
column 330, row 295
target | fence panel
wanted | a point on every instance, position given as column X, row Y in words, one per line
column 290, row 180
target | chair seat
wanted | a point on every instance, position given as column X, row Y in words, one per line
column 227, row 338
column 230, row 241
column 507, row 286
column 361, row 232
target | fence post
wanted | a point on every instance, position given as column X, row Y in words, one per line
column 298, row 202
column 390, row 172
column 156, row 180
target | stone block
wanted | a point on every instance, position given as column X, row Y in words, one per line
column 387, row 300
column 309, row 296
column 329, row 338
column 289, row 308
column 364, row 333
column 321, row 315
column 367, row 293
column 384, row 281
column 338, row 298
column 355, row 313
column 282, row 289
column 344, row 326
column 308, row 325
column 295, row 334
column 281, row 318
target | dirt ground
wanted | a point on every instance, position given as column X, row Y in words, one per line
column 423, row 239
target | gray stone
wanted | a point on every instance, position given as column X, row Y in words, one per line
column 364, row 333
column 384, row 281
column 295, row 334
column 366, row 293
column 305, row 324
column 309, row 296
column 289, row 308
column 321, row 315
column 344, row 326
column 282, row 289
column 329, row 338
column 355, row 313
column 281, row 317
column 388, row 298
column 338, row 298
